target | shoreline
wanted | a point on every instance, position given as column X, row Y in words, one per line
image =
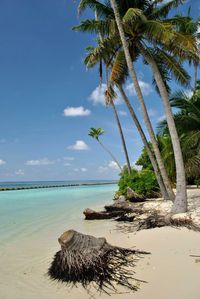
column 56, row 186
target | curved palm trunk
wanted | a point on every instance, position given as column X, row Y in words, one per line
column 145, row 142
column 122, row 137
column 109, row 152
column 180, row 203
column 141, row 99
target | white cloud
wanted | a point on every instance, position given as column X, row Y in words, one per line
column 113, row 165
column 39, row 162
column 66, row 164
column 76, row 111
column 152, row 112
column 79, row 145
column 83, row 169
column 102, row 169
column 122, row 113
column 2, row 162
column 68, row 158
column 145, row 87
column 19, row 172
column 98, row 95
column 161, row 118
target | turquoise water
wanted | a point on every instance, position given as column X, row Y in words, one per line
column 30, row 223
column 25, row 212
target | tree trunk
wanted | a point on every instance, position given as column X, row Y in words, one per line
column 122, row 137
column 141, row 99
column 146, row 144
column 180, row 203
column 109, row 152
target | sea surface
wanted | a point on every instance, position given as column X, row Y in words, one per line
column 31, row 222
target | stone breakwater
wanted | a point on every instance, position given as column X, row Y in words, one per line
column 55, row 186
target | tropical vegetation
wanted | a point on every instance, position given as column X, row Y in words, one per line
column 127, row 30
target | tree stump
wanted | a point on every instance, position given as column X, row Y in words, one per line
column 85, row 259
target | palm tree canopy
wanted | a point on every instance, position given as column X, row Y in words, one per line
column 96, row 132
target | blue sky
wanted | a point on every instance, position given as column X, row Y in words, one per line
column 41, row 76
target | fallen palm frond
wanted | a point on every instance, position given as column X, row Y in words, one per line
column 88, row 260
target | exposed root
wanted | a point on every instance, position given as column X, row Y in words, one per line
column 85, row 259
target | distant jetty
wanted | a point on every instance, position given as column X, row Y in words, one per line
column 55, row 186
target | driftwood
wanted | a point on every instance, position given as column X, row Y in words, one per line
column 85, row 259
column 93, row 215
column 125, row 206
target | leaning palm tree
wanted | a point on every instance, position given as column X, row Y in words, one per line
column 110, row 102
column 96, row 133
column 117, row 77
column 180, row 204
column 85, row 26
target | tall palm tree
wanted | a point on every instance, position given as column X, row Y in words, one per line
column 141, row 99
column 166, row 194
column 155, row 32
column 180, row 204
column 110, row 101
column 96, row 133
column 117, row 77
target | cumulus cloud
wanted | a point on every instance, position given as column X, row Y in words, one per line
column 152, row 112
column 76, row 111
column 161, row 118
column 83, row 169
column 79, row 145
column 66, row 164
column 2, row 162
column 98, row 95
column 145, row 87
column 19, row 172
column 102, row 169
column 113, row 165
column 68, row 158
column 39, row 162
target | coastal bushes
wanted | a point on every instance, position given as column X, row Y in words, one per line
column 142, row 182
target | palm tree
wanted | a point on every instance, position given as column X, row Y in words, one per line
column 163, row 186
column 109, row 101
column 141, row 99
column 96, row 133
column 187, row 121
column 117, row 77
column 155, row 32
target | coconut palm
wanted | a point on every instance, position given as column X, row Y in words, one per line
column 180, row 204
column 187, row 121
column 117, row 77
column 140, row 96
column 155, row 32
column 96, row 133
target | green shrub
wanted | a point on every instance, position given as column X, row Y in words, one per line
column 197, row 182
column 142, row 182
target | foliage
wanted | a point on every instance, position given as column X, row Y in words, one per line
column 142, row 182
column 197, row 182
column 187, row 120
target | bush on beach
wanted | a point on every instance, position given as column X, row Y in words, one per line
column 142, row 182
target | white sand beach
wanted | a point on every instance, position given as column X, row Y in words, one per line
column 170, row 271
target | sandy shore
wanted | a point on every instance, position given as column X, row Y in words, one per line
column 170, row 271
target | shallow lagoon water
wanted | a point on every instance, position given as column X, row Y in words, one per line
column 30, row 223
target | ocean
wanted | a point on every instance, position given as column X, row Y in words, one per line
column 31, row 222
